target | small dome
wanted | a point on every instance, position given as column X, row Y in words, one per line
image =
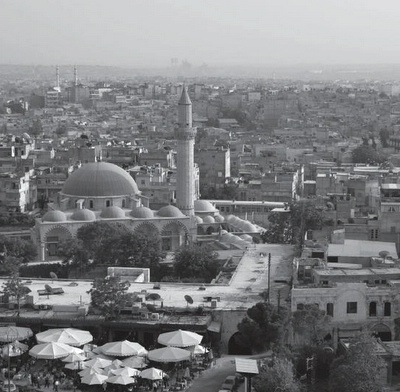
column 239, row 223
column 219, row 218
column 54, row 216
column 250, row 228
column 170, row 212
column 142, row 213
column 223, row 232
column 112, row 212
column 228, row 238
column 246, row 237
column 208, row 219
column 198, row 219
column 83, row 215
column 203, row 206
column 230, row 218
column 237, row 240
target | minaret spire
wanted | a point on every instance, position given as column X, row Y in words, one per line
column 57, row 78
column 185, row 134
column 75, row 76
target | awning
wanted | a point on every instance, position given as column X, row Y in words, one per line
column 214, row 326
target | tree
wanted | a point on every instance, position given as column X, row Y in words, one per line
column 290, row 226
column 130, row 250
column 384, row 136
column 311, row 324
column 94, row 234
column 73, row 253
column 263, row 326
column 276, row 375
column 109, row 295
column 14, row 288
column 360, row 368
column 195, row 261
column 368, row 155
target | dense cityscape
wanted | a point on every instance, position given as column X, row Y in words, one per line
column 199, row 196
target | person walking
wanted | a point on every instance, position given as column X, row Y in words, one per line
column 55, row 385
column 47, row 381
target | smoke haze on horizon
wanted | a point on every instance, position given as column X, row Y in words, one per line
column 133, row 33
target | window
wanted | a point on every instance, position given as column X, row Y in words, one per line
column 329, row 309
column 387, row 310
column 372, row 309
column 374, row 234
column 300, row 306
column 351, row 307
column 108, row 203
column 90, row 203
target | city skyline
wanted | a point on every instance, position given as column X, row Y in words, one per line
column 151, row 33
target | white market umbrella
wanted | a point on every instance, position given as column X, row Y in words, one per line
column 169, row 354
column 94, row 379
column 179, row 338
column 98, row 362
column 91, row 370
column 123, row 348
column 135, row 362
column 74, row 358
column 78, row 365
column 152, row 374
column 198, row 349
column 50, row 350
column 71, row 336
column 121, row 380
column 11, row 333
column 126, row 371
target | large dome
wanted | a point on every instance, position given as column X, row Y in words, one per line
column 100, row 179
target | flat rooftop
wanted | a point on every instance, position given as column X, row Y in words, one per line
column 247, row 283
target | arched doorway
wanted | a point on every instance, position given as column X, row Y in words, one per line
column 236, row 346
column 382, row 332
column 53, row 237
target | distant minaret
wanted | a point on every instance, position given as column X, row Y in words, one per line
column 185, row 134
column 75, row 76
column 57, row 78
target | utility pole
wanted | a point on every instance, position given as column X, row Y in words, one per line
column 269, row 277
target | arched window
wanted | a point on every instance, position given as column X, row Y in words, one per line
column 123, row 203
column 90, row 203
column 108, row 203
column 372, row 309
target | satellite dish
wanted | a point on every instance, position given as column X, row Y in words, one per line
column 48, row 288
column 53, row 275
column 188, row 299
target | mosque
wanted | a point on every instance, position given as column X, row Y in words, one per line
column 104, row 192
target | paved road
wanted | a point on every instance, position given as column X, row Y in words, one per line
column 212, row 378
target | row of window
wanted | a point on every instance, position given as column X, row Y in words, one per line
column 351, row 308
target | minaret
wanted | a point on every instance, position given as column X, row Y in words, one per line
column 57, row 79
column 75, row 76
column 185, row 134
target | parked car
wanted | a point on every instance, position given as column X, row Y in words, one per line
column 229, row 384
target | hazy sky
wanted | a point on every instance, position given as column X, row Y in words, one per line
column 151, row 32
